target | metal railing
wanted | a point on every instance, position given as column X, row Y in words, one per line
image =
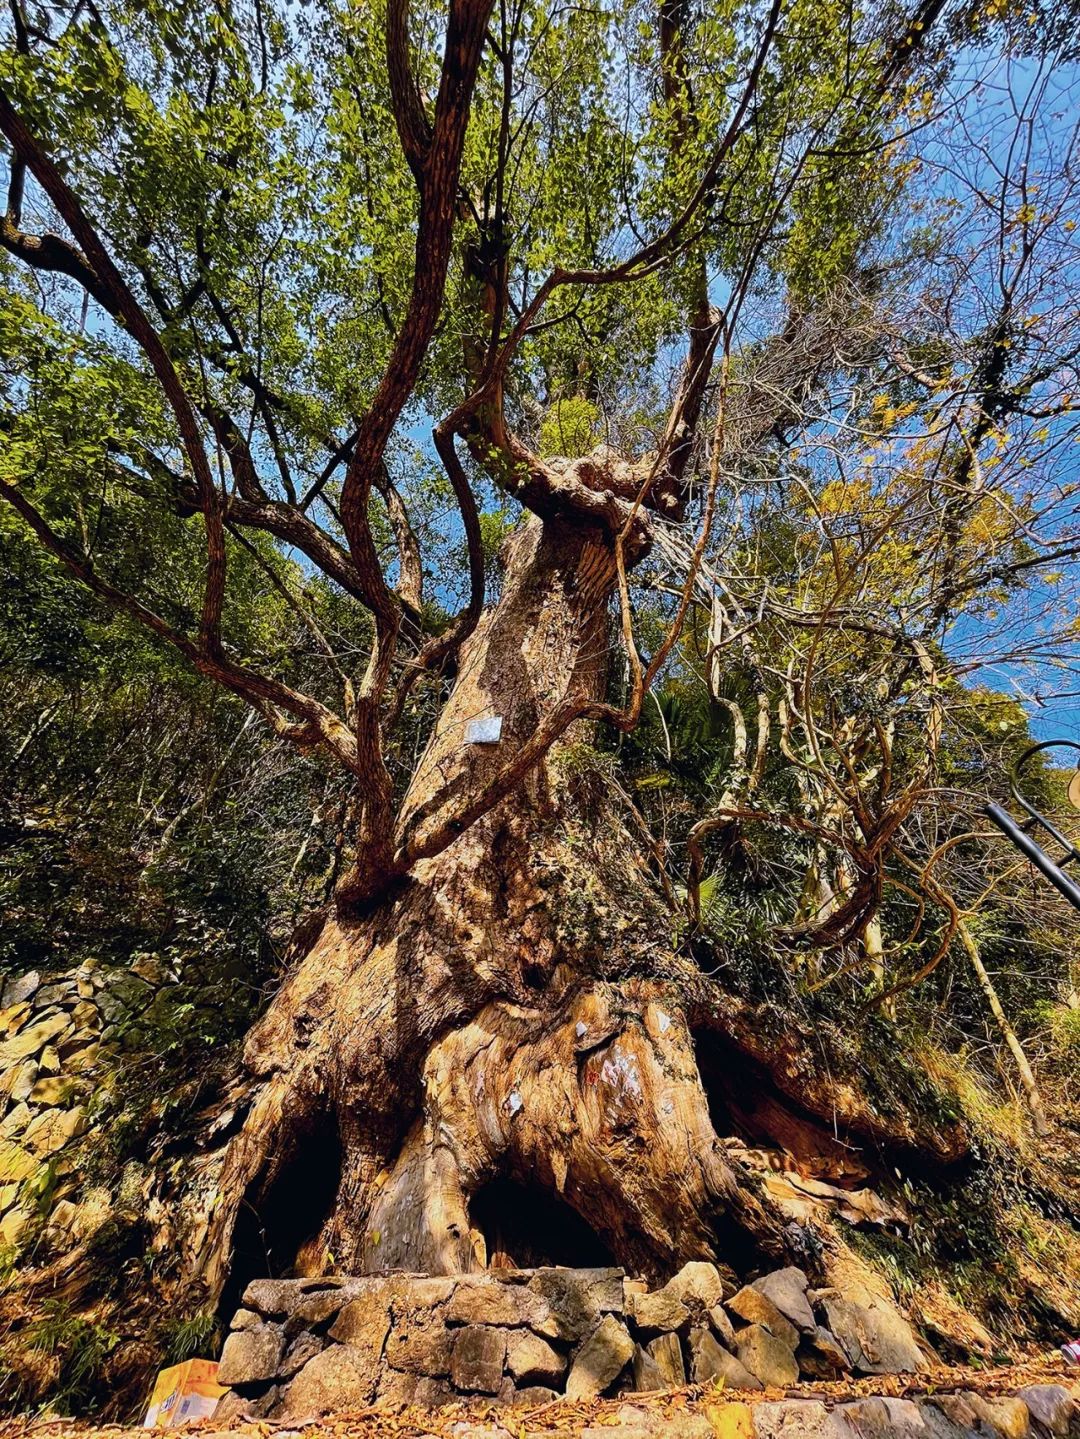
column 1018, row 833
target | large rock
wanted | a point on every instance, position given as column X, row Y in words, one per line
column 821, row 1355
column 532, row 1360
column 786, row 1288
column 950, row 1416
column 53, row 1129
column 421, row 1348
column 894, row 1419
column 753, row 1306
column 479, row 1301
column 55, row 993
column 476, row 1364
column 251, row 1356
column 647, row 1377
column 876, row 1338
column 799, row 1419
column 364, row 1321
column 710, row 1361
column 722, row 1326
column 767, row 1357
column 16, row 1121
column 19, row 989
column 696, row 1288
column 272, row 1297
column 303, row 1348
column 1002, row 1415
column 33, row 1039
column 666, row 1351
column 574, row 1300
column 1053, row 1406
column 320, row 1308
column 340, row 1378
column 419, row 1389
column 601, row 1359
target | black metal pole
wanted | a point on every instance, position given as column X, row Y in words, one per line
column 1042, row 861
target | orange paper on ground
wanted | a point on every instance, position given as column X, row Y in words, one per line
column 182, row 1392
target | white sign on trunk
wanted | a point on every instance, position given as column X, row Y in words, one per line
column 484, row 731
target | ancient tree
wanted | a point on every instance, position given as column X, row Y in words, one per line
column 465, row 320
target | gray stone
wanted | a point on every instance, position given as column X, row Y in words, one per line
column 601, row 1359
column 767, row 1357
column 419, row 1389
column 321, row 1307
column 340, row 1378
column 666, row 1351
column 647, row 1376
column 938, row 1424
column 272, row 1297
column 1052, row 1405
column 303, row 1348
column 476, row 1364
column 476, row 1300
column 629, row 1421
column 877, row 1339
column 245, row 1319
column 710, row 1362
column 533, row 1397
column 885, row 1418
column 19, row 989
column 532, row 1360
column 753, row 1306
column 696, row 1288
column 247, row 1406
column 786, row 1288
column 821, row 1355
column 420, row 1348
column 722, row 1326
column 799, row 1419
column 364, row 1321
column 57, row 993
column 574, row 1299
column 570, row 1301
column 251, row 1356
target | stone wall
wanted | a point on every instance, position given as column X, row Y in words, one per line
column 57, row 1033
column 304, row 1347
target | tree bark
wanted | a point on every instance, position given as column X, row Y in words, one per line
column 472, row 1027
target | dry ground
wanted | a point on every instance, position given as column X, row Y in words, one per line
column 664, row 1412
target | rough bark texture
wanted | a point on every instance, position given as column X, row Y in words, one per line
column 462, row 1032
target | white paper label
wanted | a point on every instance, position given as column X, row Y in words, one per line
column 484, row 731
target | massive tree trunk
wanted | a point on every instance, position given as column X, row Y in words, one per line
column 478, row 1025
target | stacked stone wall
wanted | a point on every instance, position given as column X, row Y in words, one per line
column 310, row 1346
column 59, row 1034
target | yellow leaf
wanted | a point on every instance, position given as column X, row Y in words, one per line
column 730, row 1421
